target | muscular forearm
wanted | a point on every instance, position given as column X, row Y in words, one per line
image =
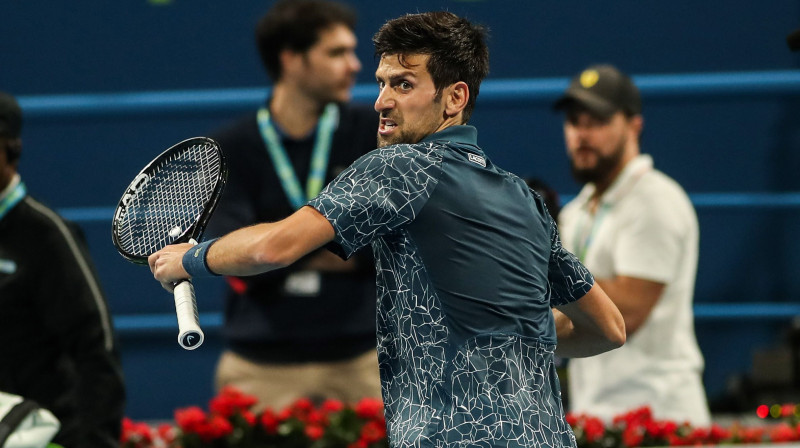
column 589, row 326
column 251, row 250
column 634, row 297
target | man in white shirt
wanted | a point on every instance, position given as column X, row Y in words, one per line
column 637, row 232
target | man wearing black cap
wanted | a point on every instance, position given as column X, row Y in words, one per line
column 58, row 346
column 637, row 232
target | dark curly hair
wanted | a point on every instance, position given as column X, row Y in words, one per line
column 457, row 48
column 295, row 25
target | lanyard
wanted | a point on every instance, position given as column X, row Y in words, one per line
column 319, row 156
column 13, row 197
column 585, row 234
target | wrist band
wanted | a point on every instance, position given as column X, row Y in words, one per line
column 194, row 260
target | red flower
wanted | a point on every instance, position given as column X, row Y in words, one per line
column 249, row 417
column 331, row 406
column 135, row 434
column 284, row 415
column 718, row 434
column 372, row 432
column 315, row 417
column 216, row 428
column 572, row 419
column 698, row 436
column 676, row 440
column 358, row 444
column 369, row 408
column 593, row 429
column 230, row 401
column 782, row 433
column 167, row 432
column 636, row 417
column 314, row 432
column 660, row 429
column 751, row 435
column 190, row 419
column 303, row 405
column 632, row 436
column 270, row 421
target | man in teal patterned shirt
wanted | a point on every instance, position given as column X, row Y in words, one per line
column 469, row 263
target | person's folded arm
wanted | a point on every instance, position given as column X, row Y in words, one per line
column 588, row 326
column 635, row 298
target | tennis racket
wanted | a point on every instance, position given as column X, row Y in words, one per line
column 170, row 201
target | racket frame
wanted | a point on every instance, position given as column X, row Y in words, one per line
column 193, row 232
column 190, row 336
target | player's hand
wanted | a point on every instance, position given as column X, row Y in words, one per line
column 167, row 265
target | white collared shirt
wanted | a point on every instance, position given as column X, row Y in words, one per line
column 644, row 227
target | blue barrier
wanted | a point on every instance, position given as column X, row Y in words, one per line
column 514, row 91
column 212, row 322
column 701, row 200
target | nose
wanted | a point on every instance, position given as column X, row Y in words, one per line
column 384, row 100
column 354, row 63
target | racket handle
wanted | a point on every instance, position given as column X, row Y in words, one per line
column 190, row 336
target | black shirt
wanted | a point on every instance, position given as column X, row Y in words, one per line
column 263, row 321
column 58, row 347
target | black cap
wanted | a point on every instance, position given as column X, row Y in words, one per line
column 10, row 116
column 603, row 90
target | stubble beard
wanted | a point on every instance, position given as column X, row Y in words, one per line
column 398, row 137
column 394, row 139
column 604, row 167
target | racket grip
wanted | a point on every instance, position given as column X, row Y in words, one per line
column 190, row 336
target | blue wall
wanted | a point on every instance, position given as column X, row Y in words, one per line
column 59, row 57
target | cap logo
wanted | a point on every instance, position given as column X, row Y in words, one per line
column 589, row 78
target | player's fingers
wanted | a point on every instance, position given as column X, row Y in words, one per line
column 151, row 261
column 169, row 286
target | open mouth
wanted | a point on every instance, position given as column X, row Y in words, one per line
column 386, row 126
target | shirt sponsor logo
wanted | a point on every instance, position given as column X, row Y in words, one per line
column 474, row 158
column 7, row 266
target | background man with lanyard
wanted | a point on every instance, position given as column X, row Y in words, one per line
column 308, row 331
column 636, row 230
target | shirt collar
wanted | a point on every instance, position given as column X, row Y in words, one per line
column 463, row 134
column 10, row 187
column 623, row 184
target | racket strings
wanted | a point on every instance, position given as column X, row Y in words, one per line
column 170, row 200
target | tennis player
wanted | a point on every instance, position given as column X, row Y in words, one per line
column 469, row 262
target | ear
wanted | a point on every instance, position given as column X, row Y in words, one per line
column 291, row 61
column 637, row 124
column 456, row 98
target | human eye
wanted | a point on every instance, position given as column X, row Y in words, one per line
column 402, row 85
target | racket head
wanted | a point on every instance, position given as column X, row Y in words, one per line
column 171, row 200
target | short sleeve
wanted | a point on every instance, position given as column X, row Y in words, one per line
column 568, row 277
column 380, row 192
column 651, row 246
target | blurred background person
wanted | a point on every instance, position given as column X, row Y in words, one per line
column 637, row 232
column 308, row 330
column 58, row 343
column 550, row 196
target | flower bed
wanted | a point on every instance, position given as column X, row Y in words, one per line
column 230, row 423
column 638, row 428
